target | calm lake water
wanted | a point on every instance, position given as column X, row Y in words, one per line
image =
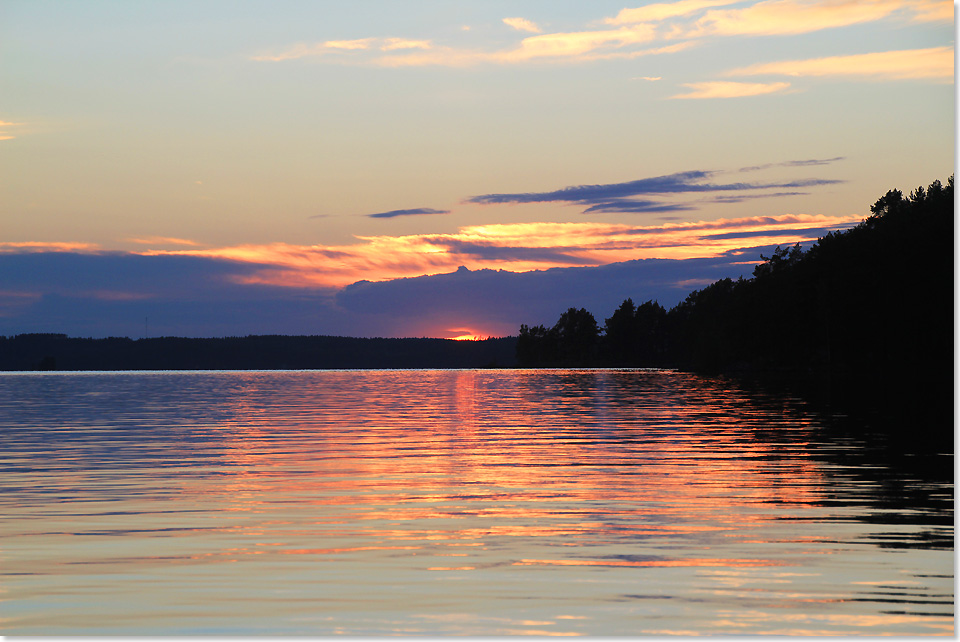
column 541, row 502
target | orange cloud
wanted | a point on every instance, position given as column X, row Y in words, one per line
column 302, row 50
column 571, row 46
column 727, row 89
column 934, row 63
column 42, row 246
column 393, row 44
column 663, row 11
column 932, row 10
column 162, row 240
column 517, row 247
column 577, row 47
column 3, row 125
column 782, row 17
column 522, row 24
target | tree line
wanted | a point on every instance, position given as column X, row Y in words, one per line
column 51, row 351
column 871, row 306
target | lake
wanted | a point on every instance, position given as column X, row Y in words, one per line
column 446, row 502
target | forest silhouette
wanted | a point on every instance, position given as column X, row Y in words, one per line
column 866, row 313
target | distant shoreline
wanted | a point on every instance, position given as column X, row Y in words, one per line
column 58, row 352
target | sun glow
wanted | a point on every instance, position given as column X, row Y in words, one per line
column 466, row 334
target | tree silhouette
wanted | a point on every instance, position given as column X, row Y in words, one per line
column 868, row 309
column 577, row 335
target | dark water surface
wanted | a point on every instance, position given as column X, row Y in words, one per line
column 482, row 502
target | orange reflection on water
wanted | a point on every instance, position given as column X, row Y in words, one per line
column 618, row 470
column 726, row 563
column 585, row 500
column 508, row 465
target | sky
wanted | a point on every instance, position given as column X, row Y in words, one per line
column 440, row 168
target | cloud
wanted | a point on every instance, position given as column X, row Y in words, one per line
column 522, row 24
column 494, row 253
column 110, row 294
column 636, row 205
column 162, row 240
column 393, row 44
column 818, row 232
column 302, row 50
column 412, row 212
column 681, row 182
column 576, row 44
column 575, row 48
column 727, row 89
column 570, row 46
column 684, row 24
column 650, row 78
column 542, row 268
column 794, row 163
column 495, row 302
column 935, row 63
column 45, row 246
column 663, row 11
column 738, row 198
column 790, row 17
column 519, row 247
column 932, row 10
column 5, row 135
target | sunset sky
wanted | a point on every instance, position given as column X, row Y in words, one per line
column 231, row 168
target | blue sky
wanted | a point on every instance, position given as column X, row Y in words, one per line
column 299, row 147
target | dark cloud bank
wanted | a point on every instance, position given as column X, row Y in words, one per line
column 99, row 295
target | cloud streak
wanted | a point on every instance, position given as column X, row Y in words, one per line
column 419, row 211
column 935, row 63
column 616, row 197
column 522, row 24
column 810, row 162
column 727, row 89
column 663, row 11
column 4, row 135
column 791, row 17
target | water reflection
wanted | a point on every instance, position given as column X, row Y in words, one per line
column 454, row 502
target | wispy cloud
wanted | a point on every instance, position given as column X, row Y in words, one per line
column 522, row 24
column 47, row 246
column 636, row 205
column 664, row 10
column 5, row 135
column 739, row 198
column 394, row 44
column 935, row 63
column 303, row 50
column 728, row 89
column 419, row 211
column 678, row 183
column 810, row 162
column 789, row 17
column 163, row 240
